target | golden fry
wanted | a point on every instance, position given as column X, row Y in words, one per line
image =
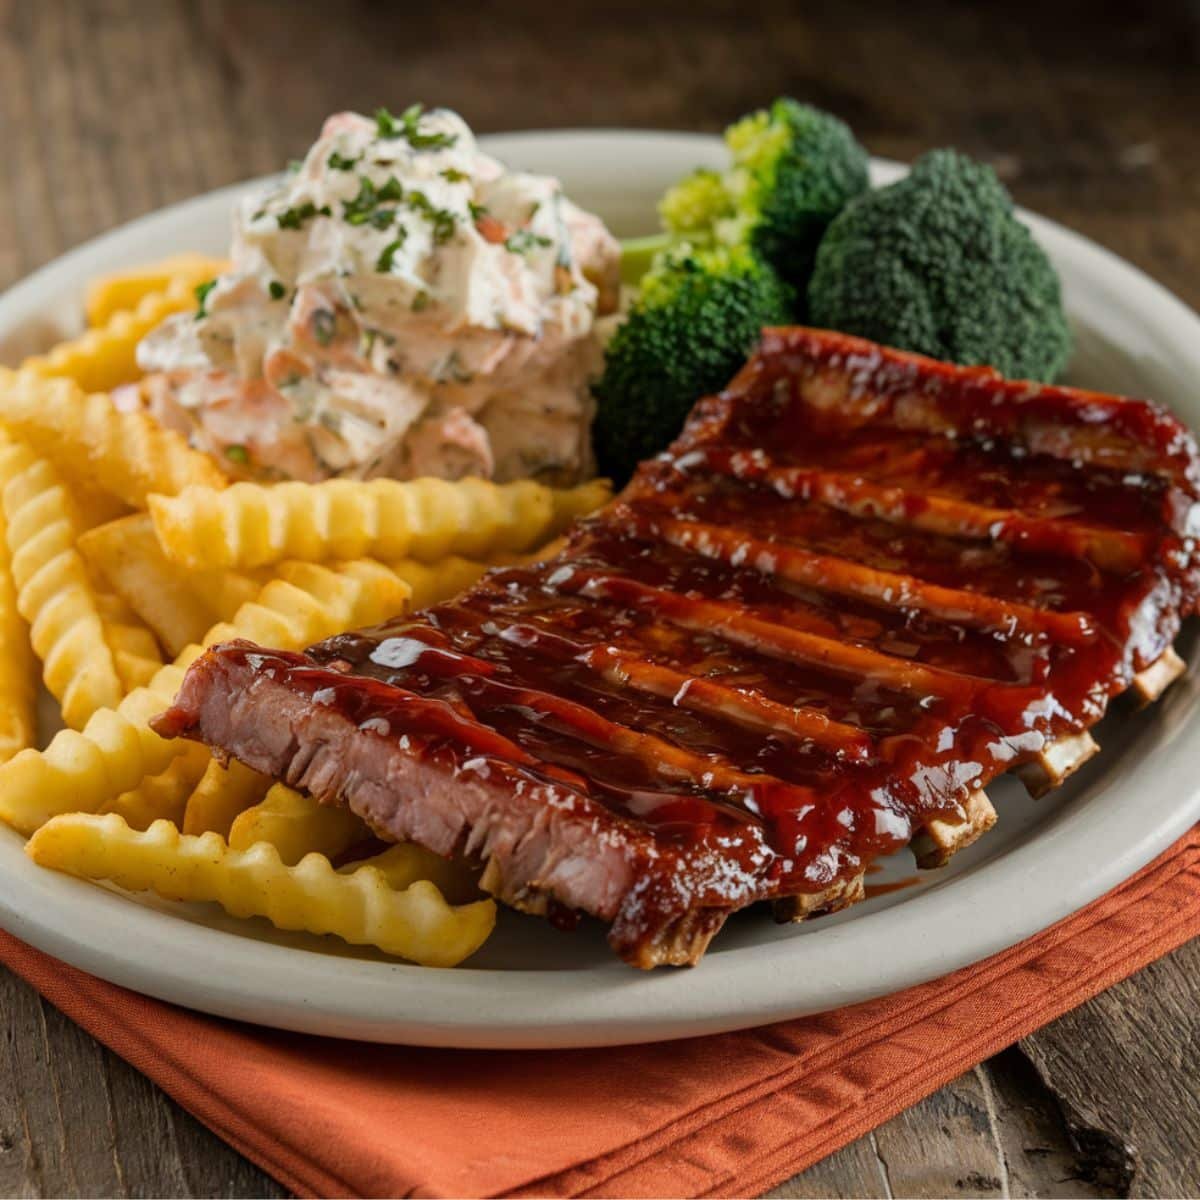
column 124, row 290
column 126, row 553
column 221, row 794
column 297, row 825
column 162, row 797
column 54, row 592
column 403, row 864
column 103, row 358
column 80, row 772
column 134, row 648
column 360, row 908
column 127, row 454
column 18, row 671
column 253, row 525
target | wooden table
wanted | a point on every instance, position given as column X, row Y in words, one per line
column 109, row 109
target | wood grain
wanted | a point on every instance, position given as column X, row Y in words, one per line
column 111, row 108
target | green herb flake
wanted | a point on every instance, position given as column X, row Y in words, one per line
column 237, row 454
column 453, row 175
column 340, row 162
column 294, row 218
column 277, row 290
column 388, row 254
column 408, row 127
column 201, row 291
column 420, row 302
column 524, row 240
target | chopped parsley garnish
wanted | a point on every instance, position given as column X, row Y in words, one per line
column 407, row 126
column 420, row 302
column 359, row 210
column 339, row 162
column 388, row 253
column 454, row 175
column 524, row 240
column 324, row 326
column 382, row 218
column 201, row 291
column 294, row 218
column 277, row 290
column 478, row 211
column 443, row 220
column 237, row 454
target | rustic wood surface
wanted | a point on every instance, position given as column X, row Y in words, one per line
column 112, row 108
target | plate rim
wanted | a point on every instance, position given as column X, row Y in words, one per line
column 207, row 968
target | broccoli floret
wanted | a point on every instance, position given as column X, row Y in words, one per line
column 699, row 313
column 694, row 207
column 938, row 263
column 795, row 168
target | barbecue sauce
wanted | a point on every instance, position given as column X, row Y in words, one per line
column 859, row 587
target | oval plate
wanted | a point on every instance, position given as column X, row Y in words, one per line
column 534, row 987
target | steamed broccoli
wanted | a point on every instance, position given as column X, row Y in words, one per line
column 794, row 167
column 938, row 263
column 699, row 313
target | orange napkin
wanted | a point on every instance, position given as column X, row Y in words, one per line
column 732, row 1114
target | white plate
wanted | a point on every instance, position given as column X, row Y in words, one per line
column 534, row 987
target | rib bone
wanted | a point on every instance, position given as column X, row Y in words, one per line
column 941, row 839
column 839, row 895
column 1055, row 762
column 1149, row 684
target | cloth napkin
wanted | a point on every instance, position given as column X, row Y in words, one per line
column 730, row 1114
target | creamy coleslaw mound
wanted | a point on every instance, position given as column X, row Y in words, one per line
column 399, row 305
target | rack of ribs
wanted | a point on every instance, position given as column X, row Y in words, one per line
column 859, row 586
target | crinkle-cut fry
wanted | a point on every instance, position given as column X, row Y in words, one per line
column 360, row 908
column 134, row 648
column 124, row 290
column 405, row 863
column 432, row 583
column 165, row 596
column 162, row 797
column 572, row 503
column 127, row 454
column 253, row 525
column 117, row 749
column 18, row 670
column 54, row 593
column 297, row 825
column 105, row 357
column 222, row 793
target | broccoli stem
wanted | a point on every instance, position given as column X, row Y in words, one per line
column 638, row 253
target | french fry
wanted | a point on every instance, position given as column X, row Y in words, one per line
column 105, row 357
column 134, row 648
column 127, row 555
column 431, row 583
column 18, row 670
column 124, row 290
column 296, row 825
column 179, row 605
column 221, row 794
column 162, row 797
column 253, row 525
column 116, row 750
column 403, row 864
column 54, row 593
column 127, row 454
column 360, row 908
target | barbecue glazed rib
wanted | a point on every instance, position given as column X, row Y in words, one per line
column 859, row 586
